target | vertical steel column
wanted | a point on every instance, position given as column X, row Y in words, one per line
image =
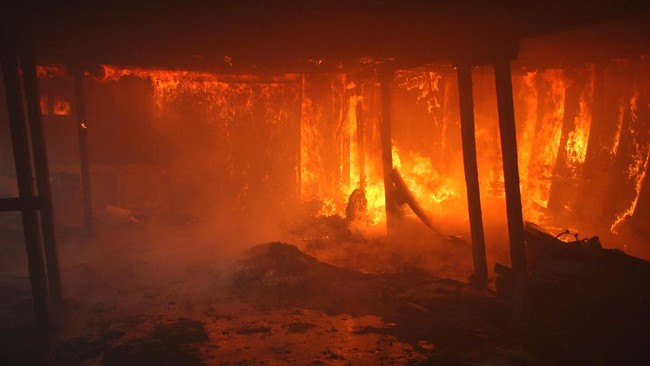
column 361, row 146
column 508, row 133
column 32, row 97
column 22, row 158
column 470, row 164
column 82, row 128
column 298, row 169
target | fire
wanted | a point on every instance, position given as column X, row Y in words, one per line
column 637, row 171
column 427, row 83
column 619, row 126
column 577, row 142
column 61, row 107
column 528, row 94
column 428, row 186
column 50, row 71
column 541, row 139
column 242, row 128
column 45, row 105
column 320, row 177
column 327, row 167
column 169, row 84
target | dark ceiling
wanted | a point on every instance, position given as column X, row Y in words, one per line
column 286, row 35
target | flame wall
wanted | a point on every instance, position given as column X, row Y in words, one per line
column 180, row 140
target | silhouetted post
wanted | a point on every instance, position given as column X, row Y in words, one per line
column 32, row 97
column 82, row 128
column 35, row 262
column 470, row 164
column 392, row 209
column 360, row 137
column 508, row 135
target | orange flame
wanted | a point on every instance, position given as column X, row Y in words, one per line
column 45, row 107
column 541, row 140
column 637, row 171
column 50, row 71
column 61, row 107
column 578, row 139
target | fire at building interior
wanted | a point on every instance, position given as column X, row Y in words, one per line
column 325, row 183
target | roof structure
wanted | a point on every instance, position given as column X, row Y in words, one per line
column 289, row 35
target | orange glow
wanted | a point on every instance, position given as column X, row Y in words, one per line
column 619, row 126
column 637, row 171
column 426, row 83
column 541, row 139
column 50, row 71
column 528, row 94
column 576, row 146
column 316, row 182
column 61, row 107
column 429, row 187
column 45, row 107
column 327, row 165
column 168, row 84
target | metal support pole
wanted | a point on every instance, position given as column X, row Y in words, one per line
column 470, row 164
column 42, row 171
column 392, row 209
column 82, row 128
column 508, row 134
column 360, row 137
column 36, row 263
